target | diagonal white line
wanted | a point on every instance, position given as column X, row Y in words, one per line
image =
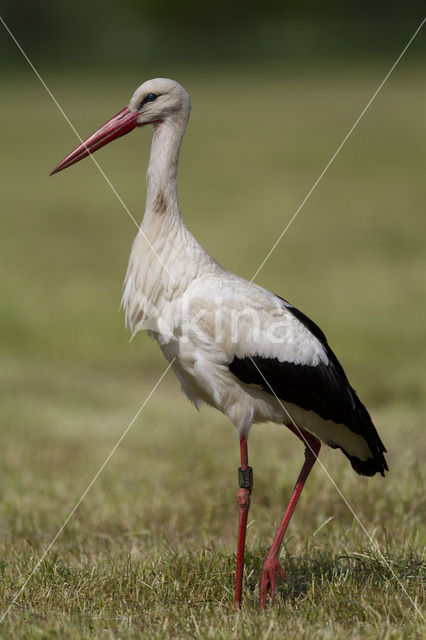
column 339, row 148
column 373, row 542
column 108, row 181
column 92, row 482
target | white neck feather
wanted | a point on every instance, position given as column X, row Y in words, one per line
column 165, row 257
column 161, row 178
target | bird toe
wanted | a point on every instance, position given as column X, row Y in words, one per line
column 268, row 580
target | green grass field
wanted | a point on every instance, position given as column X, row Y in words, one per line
column 150, row 552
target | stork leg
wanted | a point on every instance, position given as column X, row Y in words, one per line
column 245, row 477
column 271, row 564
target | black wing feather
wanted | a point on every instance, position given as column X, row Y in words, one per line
column 323, row 388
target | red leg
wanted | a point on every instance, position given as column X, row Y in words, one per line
column 271, row 564
column 245, row 476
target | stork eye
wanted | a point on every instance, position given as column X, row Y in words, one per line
column 149, row 98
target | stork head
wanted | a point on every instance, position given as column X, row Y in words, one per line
column 160, row 99
column 155, row 101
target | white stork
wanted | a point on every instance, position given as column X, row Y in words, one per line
column 232, row 344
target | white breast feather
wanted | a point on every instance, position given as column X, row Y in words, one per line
column 202, row 316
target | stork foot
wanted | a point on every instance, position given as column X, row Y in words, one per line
column 268, row 581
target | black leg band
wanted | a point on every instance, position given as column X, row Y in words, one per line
column 245, row 478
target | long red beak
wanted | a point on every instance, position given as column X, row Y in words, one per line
column 118, row 126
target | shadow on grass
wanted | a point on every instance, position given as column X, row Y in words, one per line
column 366, row 569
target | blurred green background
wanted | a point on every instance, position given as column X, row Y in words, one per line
column 140, row 32
column 274, row 91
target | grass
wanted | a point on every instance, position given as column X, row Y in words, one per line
column 149, row 553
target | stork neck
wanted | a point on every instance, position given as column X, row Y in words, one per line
column 161, row 179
